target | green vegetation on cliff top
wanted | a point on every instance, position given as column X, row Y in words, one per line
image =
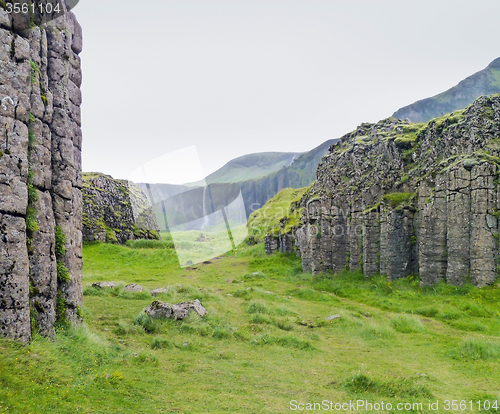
column 283, row 205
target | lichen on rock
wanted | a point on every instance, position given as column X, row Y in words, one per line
column 115, row 211
column 40, row 175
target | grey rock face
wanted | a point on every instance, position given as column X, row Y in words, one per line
column 397, row 198
column 40, row 146
column 159, row 291
column 116, row 210
column 133, row 288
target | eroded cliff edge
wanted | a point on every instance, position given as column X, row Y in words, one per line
column 40, row 176
column 397, row 198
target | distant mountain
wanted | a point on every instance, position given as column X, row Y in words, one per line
column 485, row 82
column 300, row 173
column 260, row 177
column 249, row 167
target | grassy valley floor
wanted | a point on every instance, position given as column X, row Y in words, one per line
column 264, row 343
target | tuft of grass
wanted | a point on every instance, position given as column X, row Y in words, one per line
column 407, row 324
column 391, row 387
column 149, row 324
column 429, row 311
column 396, row 200
column 373, row 331
column 258, row 307
column 124, row 329
column 60, row 242
column 161, row 343
column 288, row 341
column 477, row 349
column 62, row 272
column 31, row 223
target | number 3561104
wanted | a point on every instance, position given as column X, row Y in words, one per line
column 47, row 8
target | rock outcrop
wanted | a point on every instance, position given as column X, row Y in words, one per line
column 397, row 198
column 115, row 211
column 40, row 175
column 163, row 310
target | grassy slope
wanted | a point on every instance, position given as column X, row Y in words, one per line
column 249, row 167
column 484, row 82
column 266, row 220
column 264, row 343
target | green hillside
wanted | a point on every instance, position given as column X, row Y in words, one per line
column 251, row 166
column 485, row 82
column 282, row 206
column 301, row 173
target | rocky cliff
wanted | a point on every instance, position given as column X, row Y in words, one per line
column 115, row 211
column 397, row 198
column 40, row 175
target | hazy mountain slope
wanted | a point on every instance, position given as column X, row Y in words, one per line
column 301, row 173
column 485, row 82
column 248, row 167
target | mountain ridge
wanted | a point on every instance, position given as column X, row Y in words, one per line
column 484, row 82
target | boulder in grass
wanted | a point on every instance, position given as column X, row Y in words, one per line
column 159, row 291
column 160, row 310
column 177, row 311
column 101, row 285
column 133, row 288
column 333, row 317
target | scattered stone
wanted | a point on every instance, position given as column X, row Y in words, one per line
column 177, row 311
column 331, row 318
column 101, row 285
column 229, row 294
column 133, row 288
column 159, row 291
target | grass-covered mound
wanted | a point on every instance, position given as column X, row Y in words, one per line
column 265, row 341
column 283, row 205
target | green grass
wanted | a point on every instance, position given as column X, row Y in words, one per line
column 264, row 342
column 266, row 220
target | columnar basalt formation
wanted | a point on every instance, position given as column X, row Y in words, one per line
column 40, row 176
column 115, row 211
column 397, row 199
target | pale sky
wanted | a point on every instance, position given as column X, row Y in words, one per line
column 233, row 77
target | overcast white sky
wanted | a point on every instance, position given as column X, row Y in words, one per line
column 234, row 77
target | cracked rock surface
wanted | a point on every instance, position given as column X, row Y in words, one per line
column 40, row 148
